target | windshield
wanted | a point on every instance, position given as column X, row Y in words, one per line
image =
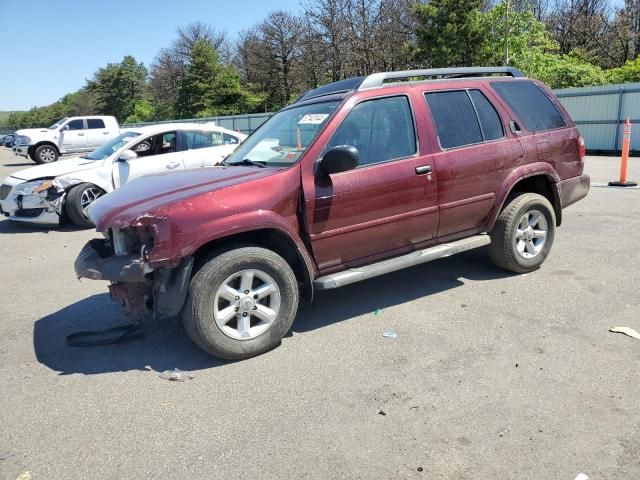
column 58, row 123
column 284, row 138
column 110, row 147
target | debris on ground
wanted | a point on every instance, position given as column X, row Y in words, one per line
column 390, row 334
column 582, row 476
column 24, row 476
column 420, row 469
column 382, row 412
column 176, row 375
column 630, row 332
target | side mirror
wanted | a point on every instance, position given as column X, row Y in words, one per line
column 340, row 159
column 66, row 127
column 127, row 155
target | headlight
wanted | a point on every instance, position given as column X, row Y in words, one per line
column 22, row 140
column 29, row 188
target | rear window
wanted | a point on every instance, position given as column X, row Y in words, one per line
column 95, row 123
column 455, row 119
column 532, row 106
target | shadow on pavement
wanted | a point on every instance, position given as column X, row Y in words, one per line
column 10, row 226
column 25, row 164
column 165, row 345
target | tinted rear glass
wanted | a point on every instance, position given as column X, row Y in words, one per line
column 455, row 118
column 489, row 119
column 95, row 123
column 534, row 109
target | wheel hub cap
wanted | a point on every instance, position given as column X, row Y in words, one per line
column 531, row 234
column 246, row 304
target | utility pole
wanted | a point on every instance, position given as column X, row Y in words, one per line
column 507, row 32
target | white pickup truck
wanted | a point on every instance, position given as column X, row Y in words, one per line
column 67, row 135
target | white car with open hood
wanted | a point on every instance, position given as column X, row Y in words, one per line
column 46, row 193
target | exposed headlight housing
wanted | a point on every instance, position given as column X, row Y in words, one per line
column 29, row 188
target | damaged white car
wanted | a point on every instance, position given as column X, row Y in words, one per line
column 48, row 194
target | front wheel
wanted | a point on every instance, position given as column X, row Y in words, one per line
column 45, row 154
column 523, row 234
column 241, row 303
column 78, row 200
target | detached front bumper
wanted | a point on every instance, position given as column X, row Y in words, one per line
column 133, row 282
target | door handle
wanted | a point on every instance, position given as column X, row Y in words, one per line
column 105, row 133
column 81, row 134
column 172, row 165
column 422, row 169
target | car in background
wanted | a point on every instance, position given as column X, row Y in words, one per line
column 46, row 193
column 8, row 139
column 66, row 136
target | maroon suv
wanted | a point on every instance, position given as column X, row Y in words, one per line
column 356, row 179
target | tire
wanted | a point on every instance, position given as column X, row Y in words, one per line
column 520, row 249
column 45, row 154
column 143, row 146
column 223, row 333
column 76, row 203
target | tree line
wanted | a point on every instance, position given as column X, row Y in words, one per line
column 205, row 72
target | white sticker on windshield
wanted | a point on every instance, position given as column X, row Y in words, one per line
column 313, row 119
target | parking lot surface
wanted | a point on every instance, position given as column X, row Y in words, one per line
column 491, row 376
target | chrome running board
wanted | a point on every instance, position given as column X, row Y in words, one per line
column 358, row 274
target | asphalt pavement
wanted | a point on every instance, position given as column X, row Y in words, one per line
column 491, row 376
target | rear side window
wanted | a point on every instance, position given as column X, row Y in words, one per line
column 230, row 139
column 381, row 129
column 490, row 122
column 95, row 123
column 455, row 119
column 201, row 139
column 534, row 109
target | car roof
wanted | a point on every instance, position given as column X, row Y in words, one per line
column 165, row 127
column 342, row 88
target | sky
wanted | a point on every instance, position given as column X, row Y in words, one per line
column 50, row 47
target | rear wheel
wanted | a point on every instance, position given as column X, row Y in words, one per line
column 45, row 154
column 523, row 234
column 241, row 303
column 78, row 200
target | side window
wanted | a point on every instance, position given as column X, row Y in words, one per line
column 230, row 139
column 95, row 123
column 455, row 119
column 381, row 129
column 76, row 125
column 532, row 106
column 198, row 139
column 156, row 145
column 490, row 122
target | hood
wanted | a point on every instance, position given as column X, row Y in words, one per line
column 34, row 131
column 55, row 169
column 147, row 195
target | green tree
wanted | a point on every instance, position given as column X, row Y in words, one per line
column 209, row 88
column 448, row 33
column 629, row 72
column 119, row 86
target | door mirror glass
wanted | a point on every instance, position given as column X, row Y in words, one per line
column 127, row 155
column 340, row 159
column 66, row 127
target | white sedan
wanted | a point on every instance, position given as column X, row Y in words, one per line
column 46, row 193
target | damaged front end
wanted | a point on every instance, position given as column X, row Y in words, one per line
column 123, row 258
column 38, row 202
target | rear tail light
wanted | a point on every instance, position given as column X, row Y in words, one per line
column 583, row 150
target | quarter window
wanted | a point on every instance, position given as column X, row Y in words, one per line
column 532, row 106
column 95, row 123
column 230, row 139
column 381, row 130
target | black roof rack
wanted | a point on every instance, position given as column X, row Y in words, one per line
column 376, row 80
